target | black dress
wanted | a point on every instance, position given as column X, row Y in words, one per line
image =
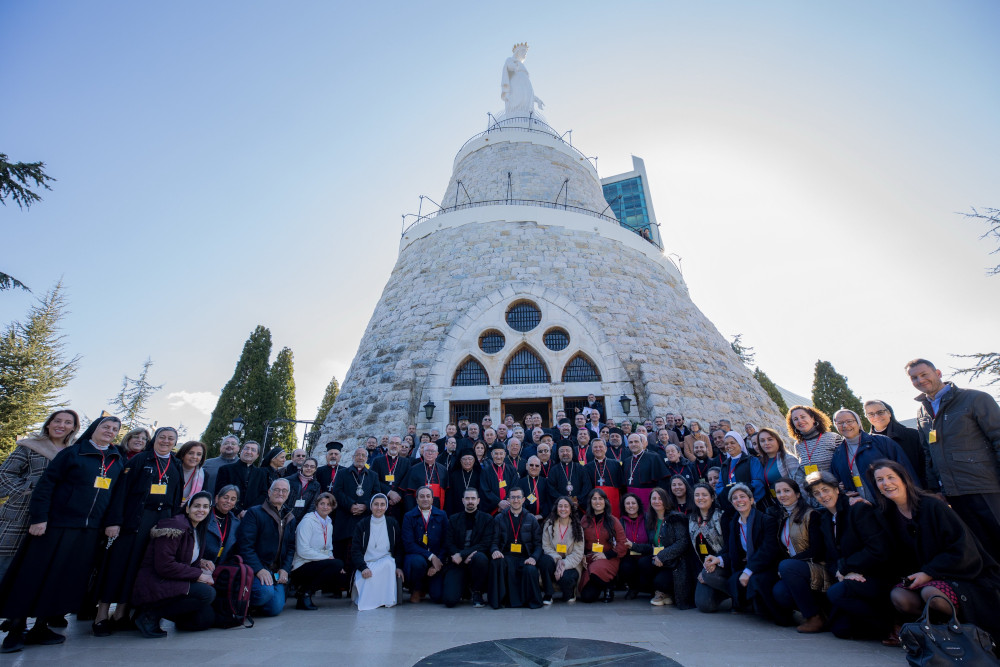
column 150, row 490
column 49, row 574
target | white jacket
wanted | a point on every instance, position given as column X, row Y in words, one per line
column 310, row 543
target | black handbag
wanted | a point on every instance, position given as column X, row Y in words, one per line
column 944, row 644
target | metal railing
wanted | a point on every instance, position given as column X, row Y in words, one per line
column 503, row 202
column 525, row 124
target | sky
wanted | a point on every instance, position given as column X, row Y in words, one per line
column 227, row 164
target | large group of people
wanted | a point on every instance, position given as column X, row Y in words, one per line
column 855, row 531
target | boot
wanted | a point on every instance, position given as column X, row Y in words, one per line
column 416, row 596
column 41, row 635
column 149, row 626
column 812, row 624
column 56, row 621
column 14, row 641
column 305, row 602
column 609, row 594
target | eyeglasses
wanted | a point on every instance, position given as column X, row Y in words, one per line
column 843, row 424
column 877, row 413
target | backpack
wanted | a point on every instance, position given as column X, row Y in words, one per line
column 232, row 594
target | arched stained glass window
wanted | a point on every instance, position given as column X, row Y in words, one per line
column 470, row 374
column 525, row 368
column 579, row 369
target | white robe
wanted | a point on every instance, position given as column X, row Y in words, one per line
column 380, row 589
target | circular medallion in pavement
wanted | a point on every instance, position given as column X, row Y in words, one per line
column 547, row 652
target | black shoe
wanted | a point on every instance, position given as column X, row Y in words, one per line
column 6, row 625
column 149, row 626
column 305, row 603
column 42, row 635
column 477, row 600
column 56, row 622
column 103, row 628
column 14, row 641
column 609, row 595
column 631, row 594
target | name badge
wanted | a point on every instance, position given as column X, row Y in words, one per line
column 220, row 551
column 932, row 436
column 597, row 548
column 503, row 484
column 102, row 483
column 390, row 478
column 657, row 550
column 425, row 538
column 774, row 494
column 300, row 502
column 532, row 498
column 634, row 553
column 703, row 549
column 857, row 481
column 810, row 469
column 367, row 467
column 561, row 548
column 157, row 489
column 515, row 548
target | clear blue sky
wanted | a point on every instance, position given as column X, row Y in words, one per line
column 226, row 164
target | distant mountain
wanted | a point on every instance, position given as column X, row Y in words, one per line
column 791, row 398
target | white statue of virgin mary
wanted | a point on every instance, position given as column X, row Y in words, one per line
column 515, row 87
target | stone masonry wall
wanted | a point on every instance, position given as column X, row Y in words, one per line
column 676, row 358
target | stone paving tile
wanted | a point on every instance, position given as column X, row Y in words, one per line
column 401, row 636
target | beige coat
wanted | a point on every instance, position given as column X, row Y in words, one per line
column 574, row 549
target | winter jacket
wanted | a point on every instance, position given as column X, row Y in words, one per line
column 167, row 570
column 965, row 457
column 66, row 496
column 266, row 538
column 871, row 448
column 363, row 532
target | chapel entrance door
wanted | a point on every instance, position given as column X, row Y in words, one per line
column 522, row 406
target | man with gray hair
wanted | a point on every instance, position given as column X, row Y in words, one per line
column 229, row 451
column 265, row 539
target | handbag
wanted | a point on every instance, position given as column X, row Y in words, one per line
column 932, row 645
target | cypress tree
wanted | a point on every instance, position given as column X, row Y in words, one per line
column 771, row 389
column 33, row 369
column 326, row 404
column 831, row 393
column 248, row 394
column 283, row 391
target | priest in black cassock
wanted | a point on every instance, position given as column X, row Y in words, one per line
column 469, row 538
column 544, row 454
column 516, row 550
column 391, row 470
column 536, row 492
column 464, row 475
column 496, row 480
column 617, row 450
column 426, row 472
column 643, row 470
column 604, row 474
column 353, row 489
column 326, row 475
column 566, row 477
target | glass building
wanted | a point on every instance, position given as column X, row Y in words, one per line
column 628, row 196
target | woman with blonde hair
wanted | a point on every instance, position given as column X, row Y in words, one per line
column 134, row 442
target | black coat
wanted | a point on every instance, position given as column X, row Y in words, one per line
column 457, row 485
column 397, row 471
column 307, row 496
column 857, row 542
column 764, row 539
column 362, row 533
column 543, row 503
column 529, row 536
column 480, row 540
column 66, row 497
column 264, row 541
column 490, row 485
column 345, row 491
column 248, row 479
column 908, row 440
column 132, row 495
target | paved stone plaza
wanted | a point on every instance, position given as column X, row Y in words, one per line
column 402, row 636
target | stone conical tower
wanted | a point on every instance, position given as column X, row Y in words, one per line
column 525, row 293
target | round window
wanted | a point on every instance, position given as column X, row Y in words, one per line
column 523, row 316
column 491, row 341
column 556, row 339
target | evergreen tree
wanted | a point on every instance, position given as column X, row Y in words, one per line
column 14, row 178
column 986, row 364
column 326, row 404
column 771, row 389
column 744, row 352
column 33, row 369
column 283, row 388
column 131, row 402
column 831, row 393
column 248, row 394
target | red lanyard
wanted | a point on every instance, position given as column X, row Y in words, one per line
column 190, row 483
column 743, row 534
column 333, row 475
column 701, row 473
column 767, row 467
column 617, row 456
column 163, row 471
column 635, row 525
column 518, row 530
column 805, row 446
column 534, row 486
column 562, row 532
column 732, row 470
column 583, row 455
column 222, row 532
column 499, row 471
column 786, row 536
column 568, row 480
column 850, row 460
column 427, row 524
column 392, row 468
column 104, row 468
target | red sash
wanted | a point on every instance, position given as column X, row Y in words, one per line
column 438, row 493
column 614, row 499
